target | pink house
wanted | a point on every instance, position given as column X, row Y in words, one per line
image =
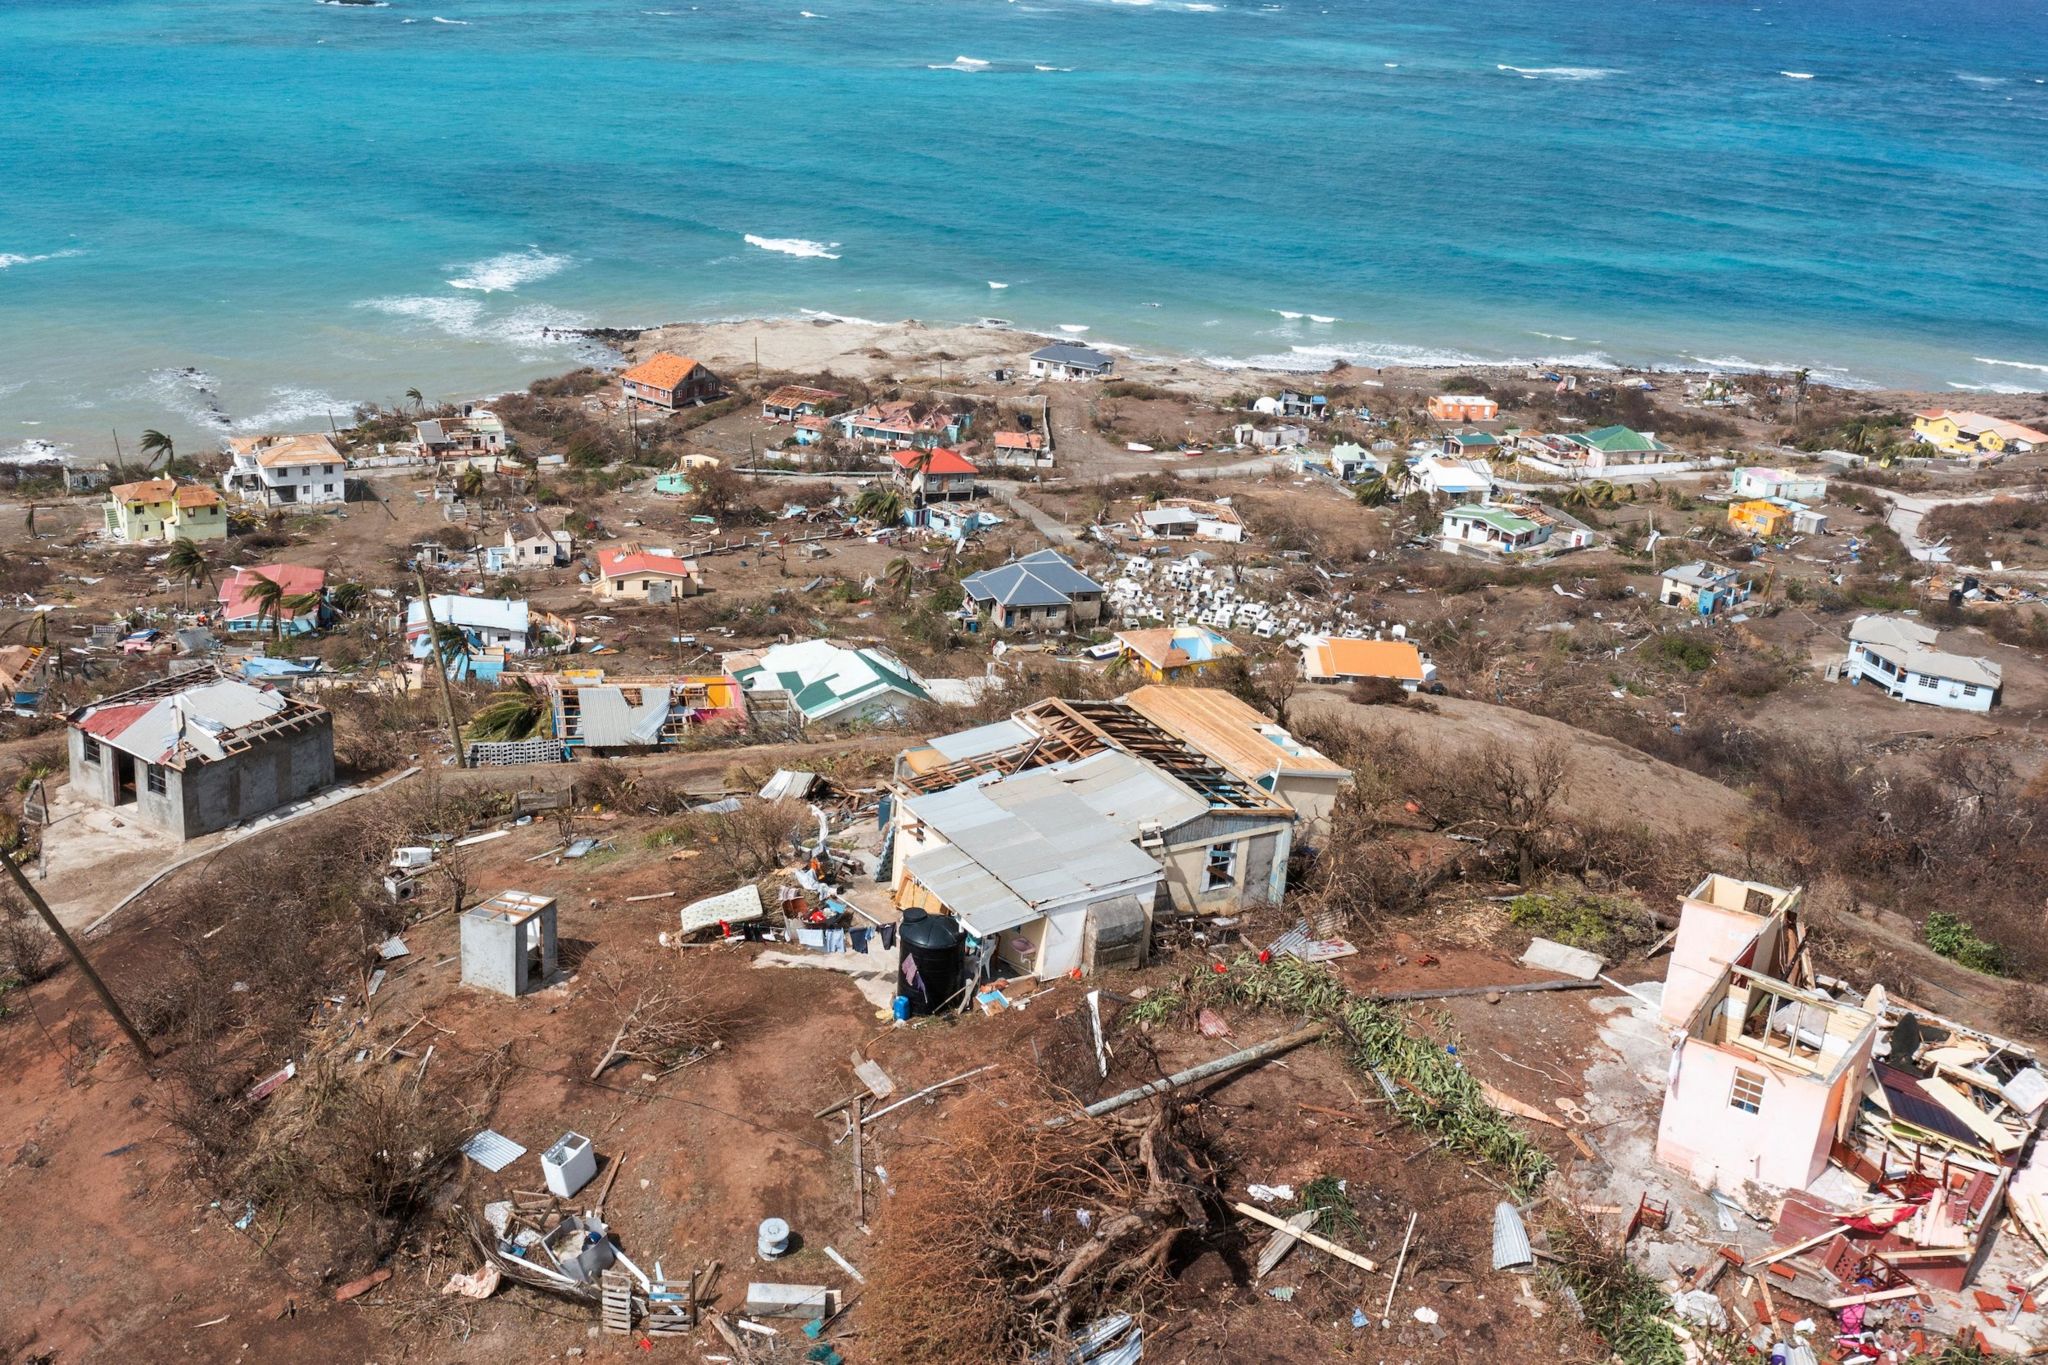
column 1766, row 1068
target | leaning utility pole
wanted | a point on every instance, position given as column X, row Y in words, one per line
column 77, row 956
column 440, row 666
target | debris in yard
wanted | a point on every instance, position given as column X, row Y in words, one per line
column 568, row 1165
column 875, row 1079
column 1551, row 956
column 1283, row 1241
column 772, row 1241
column 1271, row 1194
column 355, row 1289
column 393, row 947
column 1210, row 1024
column 742, row 905
column 264, row 1087
column 492, row 1151
column 480, row 1285
column 1299, row 943
column 770, row 1300
column 1510, row 1239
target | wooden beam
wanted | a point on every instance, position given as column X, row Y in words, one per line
column 1301, row 1234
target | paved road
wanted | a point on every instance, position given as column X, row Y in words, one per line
column 1907, row 511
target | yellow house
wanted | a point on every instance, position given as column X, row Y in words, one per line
column 164, row 510
column 1172, row 652
column 1973, row 433
column 627, row 572
column 1759, row 517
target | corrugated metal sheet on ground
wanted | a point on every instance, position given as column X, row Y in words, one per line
column 1910, row 1103
column 493, row 1151
column 608, row 720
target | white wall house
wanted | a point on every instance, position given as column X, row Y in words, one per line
column 1899, row 656
column 1763, row 482
column 1068, row 360
column 286, row 471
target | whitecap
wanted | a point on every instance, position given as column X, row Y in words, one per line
column 188, row 391
column 2011, row 364
column 455, row 316
column 1552, row 336
column 1198, row 8
column 9, row 259
column 1988, row 388
column 1560, row 73
column 1051, row 68
column 1797, row 75
column 1291, row 317
column 359, row 4
column 1391, row 66
column 506, row 272
column 997, row 284
column 291, row 406
column 459, row 23
column 808, row 15
column 35, row 450
column 1321, row 317
column 1073, row 328
column 1970, row 79
column 822, row 316
column 959, row 64
column 795, row 246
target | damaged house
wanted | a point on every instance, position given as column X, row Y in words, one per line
column 1060, row 833
column 1889, row 1140
column 197, row 752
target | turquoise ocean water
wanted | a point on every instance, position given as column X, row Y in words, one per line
column 310, row 203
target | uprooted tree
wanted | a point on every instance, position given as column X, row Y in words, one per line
column 1011, row 1234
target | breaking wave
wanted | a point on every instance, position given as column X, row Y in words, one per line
column 795, row 246
column 505, row 273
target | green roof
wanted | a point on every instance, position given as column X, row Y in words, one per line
column 1620, row 440
column 1474, row 438
column 1500, row 519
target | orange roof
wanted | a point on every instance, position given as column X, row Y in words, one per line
column 1019, row 440
column 145, row 490
column 311, row 447
column 617, row 563
column 197, row 495
column 1228, row 730
column 790, row 395
column 662, row 370
column 1343, row 658
column 942, row 461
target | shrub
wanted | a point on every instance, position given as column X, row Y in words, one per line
column 1687, row 651
column 1954, row 939
column 1602, row 924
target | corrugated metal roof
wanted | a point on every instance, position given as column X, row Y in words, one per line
column 1233, row 733
column 969, row 890
column 196, row 716
column 982, row 739
column 477, row 613
column 607, row 719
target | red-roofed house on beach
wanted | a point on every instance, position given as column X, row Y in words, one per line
column 197, row 752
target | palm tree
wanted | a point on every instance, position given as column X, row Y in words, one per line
column 155, row 443
column 346, row 597
column 900, row 575
column 1374, row 490
column 469, row 483
column 269, row 596
column 518, row 712
column 1799, row 379
column 879, row 502
column 28, row 523
column 187, row 563
column 416, row 398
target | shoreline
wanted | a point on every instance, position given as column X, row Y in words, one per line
column 926, row 352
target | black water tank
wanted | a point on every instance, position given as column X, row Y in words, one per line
column 938, row 945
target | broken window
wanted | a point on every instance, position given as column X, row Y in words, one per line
column 1747, row 1092
column 92, row 750
column 1221, row 869
column 154, row 776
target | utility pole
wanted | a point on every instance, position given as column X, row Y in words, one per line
column 440, row 666
column 77, row 956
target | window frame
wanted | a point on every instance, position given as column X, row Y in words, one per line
column 1215, row 876
column 91, row 751
column 154, row 779
column 1746, row 1091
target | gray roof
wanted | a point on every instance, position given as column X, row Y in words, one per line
column 1044, row 579
column 1910, row 646
column 607, row 720
column 1068, row 353
column 983, row 739
column 1699, row 574
column 1892, row 632
column 1034, row 841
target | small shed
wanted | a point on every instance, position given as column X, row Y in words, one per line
column 508, row 943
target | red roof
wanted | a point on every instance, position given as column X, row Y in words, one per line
column 619, row 563
column 662, row 370
column 108, row 722
column 236, row 591
column 942, row 461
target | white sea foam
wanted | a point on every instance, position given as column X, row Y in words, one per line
column 455, row 316
column 9, row 259
column 459, row 23
column 504, row 273
column 1391, row 66
column 822, row 316
column 1797, row 75
column 1291, row 317
column 1559, row 73
column 1552, row 336
column 1197, row 8
column 795, row 246
column 1073, row 328
column 2011, row 364
column 959, row 64
column 1969, row 78
column 1324, row 318
column 190, row 392
column 808, row 15
column 34, row 450
column 359, row 4
column 997, row 284
column 1051, row 68
column 288, row 407
column 1988, row 388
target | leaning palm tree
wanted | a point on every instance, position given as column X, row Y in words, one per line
column 518, row 712
column 1800, row 377
column 1601, row 493
column 268, row 595
column 346, row 597
column 28, row 523
column 469, row 483
column 1374, row 490
column 416, row 398
column 155, row 443
column 187, row 563
column 900, row 575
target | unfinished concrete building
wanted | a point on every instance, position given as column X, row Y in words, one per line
column 508, row 943
column 199, row 751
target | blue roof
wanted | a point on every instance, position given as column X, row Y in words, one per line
column 1044, row 579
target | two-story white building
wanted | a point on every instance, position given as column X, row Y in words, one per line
column 286, row 471
column 1900, row 657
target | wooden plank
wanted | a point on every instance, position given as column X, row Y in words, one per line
column 1320, row 1244
column 1569, row 984
column 1883, row 1296
column 1280, row 1243
column 875, row 1079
